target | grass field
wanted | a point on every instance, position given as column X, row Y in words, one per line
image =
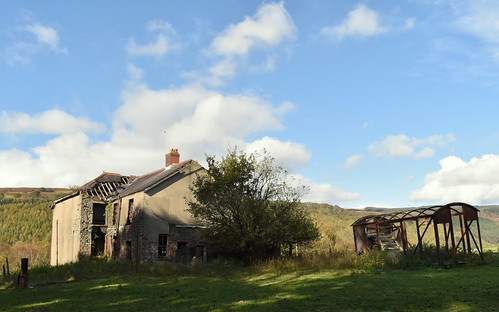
column 290, row 286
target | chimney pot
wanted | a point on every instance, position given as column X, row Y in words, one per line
column 172, row 158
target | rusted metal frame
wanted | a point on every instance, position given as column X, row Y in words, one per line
column 468, row 242
column 419, row 244
column 405, row 243
column 420, row 237
column 437, row 243
column 480, row 251
column 461, row 240
column 476, row 244
column 446, row 236
column 453, row 241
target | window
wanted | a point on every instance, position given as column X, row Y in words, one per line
column 130, row 211
column 162, row 245
column 99, row 214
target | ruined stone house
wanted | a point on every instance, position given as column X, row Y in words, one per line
column 141, row 218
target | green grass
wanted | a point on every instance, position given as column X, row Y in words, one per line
column 287, row 286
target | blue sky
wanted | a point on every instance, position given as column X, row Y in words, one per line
column 387, row 103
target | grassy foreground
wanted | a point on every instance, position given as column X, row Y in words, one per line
column 274, row 287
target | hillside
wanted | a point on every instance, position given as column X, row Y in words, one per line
column 25, row 222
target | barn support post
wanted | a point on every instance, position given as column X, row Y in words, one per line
column 446, row 237
column 403, row 234
column 420, row 240
column 468, row 242
column 437, row 243
column 453, row 241
column 480, row 251
column 461, row 240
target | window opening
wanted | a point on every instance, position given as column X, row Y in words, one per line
column 162, row 245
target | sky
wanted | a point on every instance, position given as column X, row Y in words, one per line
column 368, row 103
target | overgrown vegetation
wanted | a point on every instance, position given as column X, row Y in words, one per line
column 370, row 282
column 250, row 210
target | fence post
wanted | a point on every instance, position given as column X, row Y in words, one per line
column 23, row 276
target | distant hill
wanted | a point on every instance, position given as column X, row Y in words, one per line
column 25, row 221
column 33, row 192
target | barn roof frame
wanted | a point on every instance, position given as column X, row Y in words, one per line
column 441, row 217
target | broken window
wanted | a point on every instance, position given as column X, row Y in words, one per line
column 99, row 214
column 162, row 245
column 130, row 210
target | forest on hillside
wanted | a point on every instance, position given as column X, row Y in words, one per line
column 25, row 223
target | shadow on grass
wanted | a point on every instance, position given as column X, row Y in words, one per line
column 467, row 288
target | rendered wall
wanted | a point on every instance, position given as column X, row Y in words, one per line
column 66, row 228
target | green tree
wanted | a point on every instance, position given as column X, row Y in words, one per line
column 250, row 208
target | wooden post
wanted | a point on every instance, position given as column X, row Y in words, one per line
column 23, row 276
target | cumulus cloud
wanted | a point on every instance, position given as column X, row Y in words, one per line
column 324, row 192
column 404, row 146
column 476, row 181
column 48, row 122
column 292, row 155
column 360, row 22
column 196, row 119
column 270, row 26
column 161, row 44
column 21, row 51
column 353, row 161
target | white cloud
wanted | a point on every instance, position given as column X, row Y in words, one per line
column 49, row 122
column 47, row 36
column 325, row 193
column 360, row 22
column 22, row 51
column 292, row 155
column 476, row 181
column 196, row 120
column 161, row 45
column 403, row 146
column 269, row 27
column 353, row 161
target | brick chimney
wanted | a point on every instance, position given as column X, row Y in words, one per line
column 172, row 158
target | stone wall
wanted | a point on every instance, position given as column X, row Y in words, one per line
column 86, row 228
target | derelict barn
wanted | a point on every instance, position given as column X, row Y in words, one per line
column 455, row 228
